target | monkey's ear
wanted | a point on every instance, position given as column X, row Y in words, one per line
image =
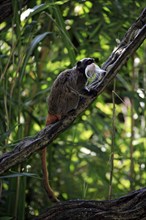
column 79, row 63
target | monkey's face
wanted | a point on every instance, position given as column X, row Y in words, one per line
column 82, row 64
column 90, row 69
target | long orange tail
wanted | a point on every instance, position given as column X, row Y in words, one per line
column 50, row 120
column 47, row 186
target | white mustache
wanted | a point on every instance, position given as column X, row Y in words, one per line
column 92, row 70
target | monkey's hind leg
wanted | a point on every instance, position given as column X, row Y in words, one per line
column 52, row 119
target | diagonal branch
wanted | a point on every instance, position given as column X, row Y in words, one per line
column 130, row 43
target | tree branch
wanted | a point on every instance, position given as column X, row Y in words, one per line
column 6, row 9
column 130, row 43
column 131, row 206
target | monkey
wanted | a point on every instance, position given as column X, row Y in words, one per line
column 66, row 92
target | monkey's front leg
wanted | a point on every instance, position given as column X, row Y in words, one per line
column 85, row 92
column 88, row 92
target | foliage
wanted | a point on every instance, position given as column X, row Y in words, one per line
column 38, row 44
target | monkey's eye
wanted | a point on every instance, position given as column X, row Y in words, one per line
column 90, row 61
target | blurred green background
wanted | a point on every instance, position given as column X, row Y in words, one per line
column 38, row 41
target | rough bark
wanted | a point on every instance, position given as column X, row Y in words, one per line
column 130, row 43
column 131, row 206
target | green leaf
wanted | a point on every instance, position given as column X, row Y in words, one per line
column 6, row 218
column 31, row 47
column 18, row 175
column 64, row 33
column 39, row 8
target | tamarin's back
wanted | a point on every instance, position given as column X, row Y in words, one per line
column 65, row 92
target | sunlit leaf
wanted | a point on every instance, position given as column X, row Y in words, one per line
column 31, row 48
column 18, row 175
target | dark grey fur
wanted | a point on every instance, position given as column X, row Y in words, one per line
column 67, row 89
